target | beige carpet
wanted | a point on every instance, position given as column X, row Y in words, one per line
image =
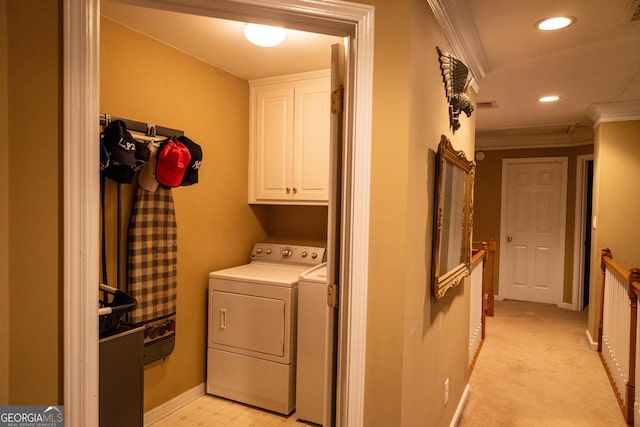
column 536, row 369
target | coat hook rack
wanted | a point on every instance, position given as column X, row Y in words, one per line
column 146, row 128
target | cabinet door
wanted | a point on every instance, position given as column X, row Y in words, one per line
column 274, row 143
column 311, row 141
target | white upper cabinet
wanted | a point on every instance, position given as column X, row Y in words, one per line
column 289, row 139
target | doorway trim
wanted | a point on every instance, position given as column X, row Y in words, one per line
column 579, row 234
column 558, row 293
column 80, row 212
column 81, row 182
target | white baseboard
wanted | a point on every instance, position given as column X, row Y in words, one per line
column 172, row 405
column 460, row 408
column 592, row 344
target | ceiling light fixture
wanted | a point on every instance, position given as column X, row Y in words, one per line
column 555, row 23
column 551, row 98
column 264, row 35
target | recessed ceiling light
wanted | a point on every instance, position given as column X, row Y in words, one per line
column 551, row 98
column 555, row 23
column 264, row 35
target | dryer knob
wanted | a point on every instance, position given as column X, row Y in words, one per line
column 286, row 253
column 304, row 254
column 268, row 251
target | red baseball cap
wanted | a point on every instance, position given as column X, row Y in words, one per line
column 173, row 160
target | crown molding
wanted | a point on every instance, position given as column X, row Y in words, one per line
column 499, row 144
column 458, row 26
column 518, row 139
column 605, row 112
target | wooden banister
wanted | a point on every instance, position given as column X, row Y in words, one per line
column 608, row 261
column 479, row 250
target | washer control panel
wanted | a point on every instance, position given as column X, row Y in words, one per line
column 289, row 254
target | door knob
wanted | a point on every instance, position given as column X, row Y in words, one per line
column 509, row 238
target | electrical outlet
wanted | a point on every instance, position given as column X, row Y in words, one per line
column 446, row 391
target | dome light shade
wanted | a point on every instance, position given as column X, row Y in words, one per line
column 551, row 98
column 264, row 35
column 555, row 23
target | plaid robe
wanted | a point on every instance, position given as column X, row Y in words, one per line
column 153, row 249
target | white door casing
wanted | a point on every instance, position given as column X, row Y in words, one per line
column 532, row 231
column 80, row 186
column 579, row 231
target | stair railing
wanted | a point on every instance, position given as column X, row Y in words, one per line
column 618, row 331
column 481, row 261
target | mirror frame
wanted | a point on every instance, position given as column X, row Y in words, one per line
column 442, row 281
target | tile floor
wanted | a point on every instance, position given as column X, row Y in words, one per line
column 209, row 411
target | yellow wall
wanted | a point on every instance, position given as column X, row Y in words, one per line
column 144, row 80
column 35, row 210
column 615, row 204
column 486, row 221
column 386, row 288
column 4, row 214
column 413, row 344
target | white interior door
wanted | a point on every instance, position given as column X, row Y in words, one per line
column 533, row 220
column 334, row 234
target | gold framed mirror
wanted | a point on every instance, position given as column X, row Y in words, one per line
column 453, row 220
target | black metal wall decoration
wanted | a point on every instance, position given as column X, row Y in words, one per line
column 456, row 78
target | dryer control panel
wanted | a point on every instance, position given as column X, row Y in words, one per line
column 288, row 254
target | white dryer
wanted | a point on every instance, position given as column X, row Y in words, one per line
column 251, row 355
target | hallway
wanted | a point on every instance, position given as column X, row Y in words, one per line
column 535, row 368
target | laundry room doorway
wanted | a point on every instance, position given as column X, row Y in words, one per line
column 81, row 39
column 582, row 232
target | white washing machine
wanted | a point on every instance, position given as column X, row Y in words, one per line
column 251, row 355
column 314, row 380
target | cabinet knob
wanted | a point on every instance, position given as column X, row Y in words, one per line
column 288, row 190
column 295, row 190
